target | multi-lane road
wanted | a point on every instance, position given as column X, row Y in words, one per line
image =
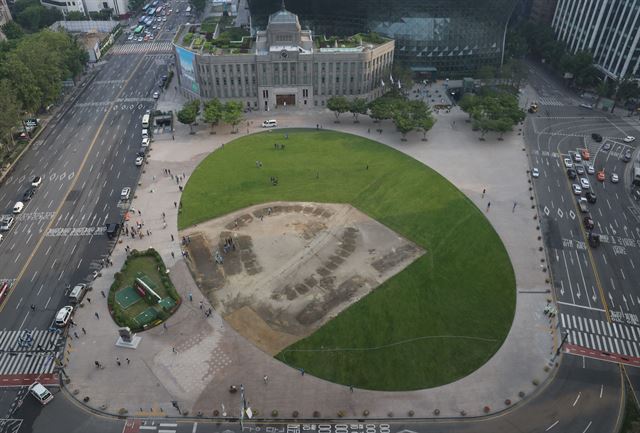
column 85, row 156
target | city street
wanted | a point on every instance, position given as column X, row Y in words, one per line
column 85, row 157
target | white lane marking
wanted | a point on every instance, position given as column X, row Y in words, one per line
column 588, row 425
column 552, row 425
column 19, row 302
column 23, row 320
column 40, row 289
column 576, row 400
column 195, row 427
column 79, row 263
column 147, row 427
column 168, row 425
column 34, row 276
column 601, row 390
column 47, row 304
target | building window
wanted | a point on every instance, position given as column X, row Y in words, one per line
column 105, row 5
column 224, row 81
column 315, row 102
column 217, row 81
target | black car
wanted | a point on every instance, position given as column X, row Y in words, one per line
column 591, row 197
column 113, row 229
column 571, row 173
column 588, row 223
column 594, row 239
column 28, row 194
column 596, row 137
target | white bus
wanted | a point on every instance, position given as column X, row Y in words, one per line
column 145, row 121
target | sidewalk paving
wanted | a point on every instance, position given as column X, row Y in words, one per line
column 210, row 356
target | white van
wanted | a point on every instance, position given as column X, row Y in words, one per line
column 76, row 294
column 269, row 123
column 41, row 393
column 145, row 121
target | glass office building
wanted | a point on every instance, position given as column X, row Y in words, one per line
column 451, row 38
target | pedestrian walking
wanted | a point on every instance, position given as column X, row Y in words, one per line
column 172, row 238
column 88, row 299
column 175, row 204
column 33, row 307
column 351, row 388
column 97, row 315
column 75, row 334
column 102, row 293
column 488, row 206
column 173, row 254
column 118, row 362
column 164, row 325
column 128, row 361
column 84, row 331
column 190, row 297
column 97, row 364
column 188, row 239
column 164, row 225
column 163, row 215
column 483, row 192
column 139, row 212
column 174, row 350
column 148, row 232
column 266, row 379
column 302, row 371
column 201, row 306
column 514, row 206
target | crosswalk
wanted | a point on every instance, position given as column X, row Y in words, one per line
column 601, row 335
column 28, row 352
column 142, row 47
column 550, row 101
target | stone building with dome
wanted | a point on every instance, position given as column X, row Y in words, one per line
column 281, row 66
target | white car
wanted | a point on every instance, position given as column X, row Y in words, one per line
column 568, row 163
column 145, row 133
column 577, row 157
column 139, row 161
column 584, row 183
column 36, row 181
column 6, row 222
column 145, row 142
column 164, row 19
column 156, row 95
column 535, row 172
column 17, row 208
column 590, row 169
column 576, row 189
column 125, row 193
column 63, row 316
column 614, row 178
column 628, row 139
column 140, row 39
column 130, row 37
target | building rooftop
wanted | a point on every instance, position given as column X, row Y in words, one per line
column 283, row 17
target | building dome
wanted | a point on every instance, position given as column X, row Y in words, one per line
column 283, row 17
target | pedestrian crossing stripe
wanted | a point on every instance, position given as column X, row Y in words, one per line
column 147, row 47
column 35, row 354
column 601, row 335
column 550, row 101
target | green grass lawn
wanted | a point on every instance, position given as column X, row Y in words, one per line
column 438, row 320
column 148, row 265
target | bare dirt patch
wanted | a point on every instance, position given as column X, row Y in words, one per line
column 285, row 269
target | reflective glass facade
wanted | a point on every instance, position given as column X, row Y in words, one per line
column 452, row 37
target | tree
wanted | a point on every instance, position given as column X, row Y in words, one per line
column 358, row 106
column 232, row 114
column 213, row 110
column 339, row 105
column 188, row 114
column 627, row 89
column 493, row 111
column 199, row 5
column 381, row 109
column 404, row 122
column 9, row 110
column 12, row 30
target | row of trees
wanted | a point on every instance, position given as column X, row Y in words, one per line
column 214, row 112
column 31, row 16
column 407, row 115
column 492, row 111
column 539, row 41
column 32, row 70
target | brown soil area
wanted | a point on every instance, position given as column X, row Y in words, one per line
column 285, row 269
